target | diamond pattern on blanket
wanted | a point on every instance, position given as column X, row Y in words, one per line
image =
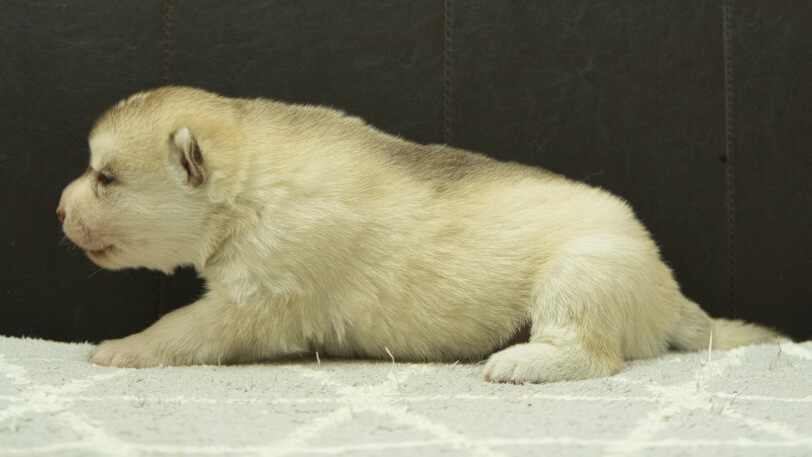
column 748, row 401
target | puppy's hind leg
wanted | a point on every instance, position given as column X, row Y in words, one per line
column 574, row 332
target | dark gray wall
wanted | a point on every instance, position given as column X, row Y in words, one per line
column 694, row 111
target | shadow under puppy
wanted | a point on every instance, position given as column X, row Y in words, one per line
column 317, row 232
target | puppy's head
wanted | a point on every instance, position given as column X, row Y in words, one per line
column 146, row 199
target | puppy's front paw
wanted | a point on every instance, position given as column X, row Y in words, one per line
column 123, row 353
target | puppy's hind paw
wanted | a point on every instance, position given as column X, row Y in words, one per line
column 510, row 367
column 539, row 362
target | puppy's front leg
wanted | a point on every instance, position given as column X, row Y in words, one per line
column 209, row 331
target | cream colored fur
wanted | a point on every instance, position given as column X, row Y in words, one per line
column 318, row 233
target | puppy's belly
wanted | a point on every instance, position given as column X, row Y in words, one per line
column 432, row 338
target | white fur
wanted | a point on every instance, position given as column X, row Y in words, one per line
column 318, row 233
column 103, row 145
column 140, row 96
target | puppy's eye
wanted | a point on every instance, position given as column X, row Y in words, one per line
column 106, row 179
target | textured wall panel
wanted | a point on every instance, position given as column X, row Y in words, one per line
column 630, row 96
column 771, row 88
column 378, row 60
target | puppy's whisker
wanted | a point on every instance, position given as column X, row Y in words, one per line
column 93, row 273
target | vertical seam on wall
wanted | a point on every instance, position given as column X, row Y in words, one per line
column 730, row 153
column 167, row 31
column 447, row 73
column 167, row 35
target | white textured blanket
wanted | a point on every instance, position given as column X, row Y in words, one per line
column 749, row 401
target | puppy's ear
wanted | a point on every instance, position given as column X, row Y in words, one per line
column 188, row 156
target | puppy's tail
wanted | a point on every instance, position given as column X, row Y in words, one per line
column 692, row 331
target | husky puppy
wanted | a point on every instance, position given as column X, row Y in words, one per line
column 317, row 232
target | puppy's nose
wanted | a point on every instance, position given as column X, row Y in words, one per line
column 60, row 214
